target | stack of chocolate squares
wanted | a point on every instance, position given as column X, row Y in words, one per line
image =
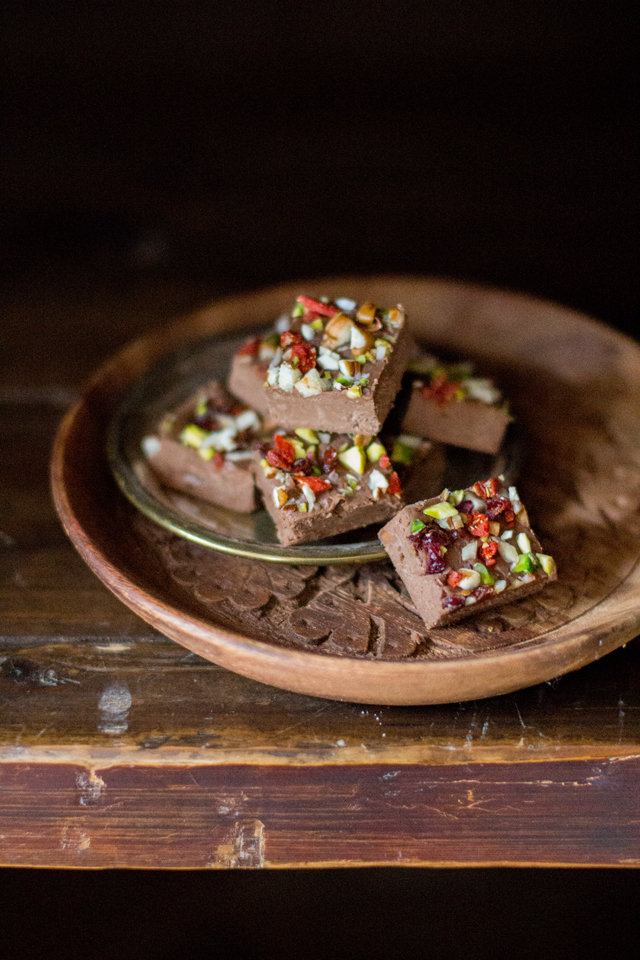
column 317, row 391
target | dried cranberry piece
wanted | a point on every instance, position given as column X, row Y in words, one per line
column 465, row 507
column 498, row 505
column 435, row 562
column 450, row 603
column 329, row 460
column 302, row 466
column 430, row 540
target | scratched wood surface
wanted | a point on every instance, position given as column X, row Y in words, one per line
column 121, row 748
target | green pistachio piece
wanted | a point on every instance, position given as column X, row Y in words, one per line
column 527, row 563
column 485, row 576
column 440, row 511
column 375, row 450
column 354, row 458
column 547, row 563
column 308, row 436
column 401, row 453
column 192, row 436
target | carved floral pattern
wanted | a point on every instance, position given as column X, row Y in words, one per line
column 581, row 483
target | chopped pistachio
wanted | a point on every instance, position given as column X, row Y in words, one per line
column 308, row 436
column 354, row 458
column 547, row 563
column 192, row 436
column 440, row 511
column 298, row 447
column 417, row 526
column 401, row 453
column 527, row 563
column 485, row 576
column 375, row 450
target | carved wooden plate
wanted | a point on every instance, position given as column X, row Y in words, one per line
column 350, row 632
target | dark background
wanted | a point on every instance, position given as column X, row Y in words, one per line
column 177, row 150
column 236, row 144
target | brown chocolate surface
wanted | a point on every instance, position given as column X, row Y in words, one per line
column 463, row 423
column 429, row 590
column 246, row 381
column 349, row 504
column 221, row 480
column 334, row 410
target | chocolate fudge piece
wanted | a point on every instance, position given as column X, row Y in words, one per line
column 338, row 365
column 318, row 484
column 249, row 369
column 448, row 403
column 465, row 551
column 205, row 448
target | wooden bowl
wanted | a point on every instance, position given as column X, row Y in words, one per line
column 350, row 633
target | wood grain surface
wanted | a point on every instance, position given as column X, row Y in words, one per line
column 120, row 748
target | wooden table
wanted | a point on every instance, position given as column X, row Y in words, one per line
column 119, row 748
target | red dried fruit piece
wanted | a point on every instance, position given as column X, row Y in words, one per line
column 385, row 463
column 394, row 484
column 284, row 448
column 317, row 484
column 250, row 348
column 454, row 578
column 302, row 467
column 479, row 524
column 441, row 390
column 499, row 505
column 329, row 460
column 488, row 552
column 289, row 337
column 305, row 355
column 324, row 309
column 218, row 460
column 486, row 488
column 277, row 461
column 450, row 603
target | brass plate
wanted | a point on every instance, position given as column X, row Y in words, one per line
column 247, row 535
